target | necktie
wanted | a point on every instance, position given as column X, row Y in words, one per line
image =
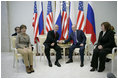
column 75, row 42
column 55, row 34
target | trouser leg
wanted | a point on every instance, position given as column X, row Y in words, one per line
column 47, row 52
column 71, row 49
column 24, row 55
column 94, row 62
column 58, row 52
column 82, row 54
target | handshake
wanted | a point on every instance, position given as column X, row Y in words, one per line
column 61, row 41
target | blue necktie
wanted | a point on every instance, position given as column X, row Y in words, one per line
column 75, row 42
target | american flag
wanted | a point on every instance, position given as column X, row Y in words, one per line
column 35, row 23
column 49, row 17
column 64, row 22
column 80, row 17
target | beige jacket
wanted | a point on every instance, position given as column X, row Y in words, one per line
column 22, row 41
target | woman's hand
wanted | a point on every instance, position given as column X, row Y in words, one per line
column 100, row 47
column 25, row 49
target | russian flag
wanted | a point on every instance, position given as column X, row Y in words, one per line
column 58, row 17
column 90, row 23
column 41, row 19
column 72, row 19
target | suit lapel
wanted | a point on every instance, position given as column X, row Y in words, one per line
column 104, row 34
column 53, row 34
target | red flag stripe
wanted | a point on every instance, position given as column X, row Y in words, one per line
column 78, row 16
column 48, row 24
column 81, row 23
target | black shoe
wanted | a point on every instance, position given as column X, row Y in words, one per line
column 57, row 63
column 50, row 64
column 100, row 70
column 93, row 69
column 69, row 61
column 81, row 65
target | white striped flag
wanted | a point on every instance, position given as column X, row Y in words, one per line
column 35, row 23
column 80, row 17
column 49, row 17
column 64, row 22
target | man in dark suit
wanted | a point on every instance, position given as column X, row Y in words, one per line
column 51, row 42
column 79, row 41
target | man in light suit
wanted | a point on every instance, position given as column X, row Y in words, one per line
column 79, row 41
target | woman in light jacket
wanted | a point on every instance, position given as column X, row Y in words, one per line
column 23, row 46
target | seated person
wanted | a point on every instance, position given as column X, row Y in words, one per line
column 104, row 46
column 17, row 30
column 23, row 46
column 51, row 42
column 79, row 41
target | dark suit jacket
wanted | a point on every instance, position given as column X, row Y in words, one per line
column 15, row 34
column 107, row 41
column 51, row 38
column 80, row 37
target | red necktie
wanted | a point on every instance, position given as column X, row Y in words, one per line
column 55, row 34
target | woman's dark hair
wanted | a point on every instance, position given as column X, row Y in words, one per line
column 112, row 28
column 107, row 25
column 23, row 26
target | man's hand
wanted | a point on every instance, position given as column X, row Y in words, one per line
column 52, row 44
column 81, row 44
column 100, row 47
column 60, row 41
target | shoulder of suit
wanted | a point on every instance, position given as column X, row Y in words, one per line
column 80, row 30
column 110, row 32
column 57, row 33
column 50, row 31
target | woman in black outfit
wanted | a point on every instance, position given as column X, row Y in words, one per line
column 104, row 46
